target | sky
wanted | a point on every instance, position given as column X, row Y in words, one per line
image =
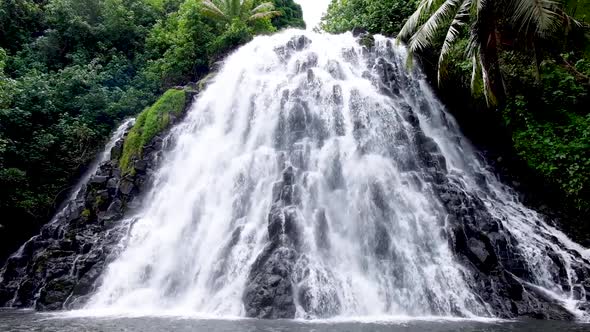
column 313, row 11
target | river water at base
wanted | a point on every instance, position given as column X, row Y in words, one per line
column 30, row 321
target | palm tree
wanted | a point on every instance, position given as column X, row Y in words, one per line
column 535, row 18
column 226, row 11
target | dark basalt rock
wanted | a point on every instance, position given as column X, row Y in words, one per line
column 295, row 44
column 117, row 151
column 499, row 273
column 269, row 292
column 299, row 43
column 53, row 294
column 98, row 180
column 141, row 166
column 126, row 186
column 358, row 31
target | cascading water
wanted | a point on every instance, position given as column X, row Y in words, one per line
column 315, row 178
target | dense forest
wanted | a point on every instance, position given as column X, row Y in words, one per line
column 70, row 70
column 529, row 109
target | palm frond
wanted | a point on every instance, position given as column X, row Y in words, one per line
column 480, row 74
column 246, row 8
column 227, row 6
column 411, row 25
column 569, row 21
column 260, row 16
column 487, row 84
column 235, row 8
column 263, row 7
column 211, row 10
column 477, row 6
column 451, row 37
column 537, row 16
column 426, row 34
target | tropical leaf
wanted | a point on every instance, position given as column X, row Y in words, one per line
column 421, row 30
column 426, row 34
column 260, row 16
column 263, row 7
column 235, row 8
column 536, row 16
column 246, row 9
column 424, row 8
column 228, row 10
column 461, row 16
column 211, row 10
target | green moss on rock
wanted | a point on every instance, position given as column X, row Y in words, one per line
column 86, row 213
column 149, row 123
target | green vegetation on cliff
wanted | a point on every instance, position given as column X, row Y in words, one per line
column 149, row 123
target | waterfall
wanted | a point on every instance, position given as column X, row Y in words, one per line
column 316, row 177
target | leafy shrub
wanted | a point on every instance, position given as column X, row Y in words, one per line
column 550, row 123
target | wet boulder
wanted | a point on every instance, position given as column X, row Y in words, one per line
column 54, row 293
column 269, row 291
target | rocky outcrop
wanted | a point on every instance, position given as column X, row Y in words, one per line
column 269, row 290
column 62, row 265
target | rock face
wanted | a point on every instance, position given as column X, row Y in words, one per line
column 269, row 290
column 62, row 265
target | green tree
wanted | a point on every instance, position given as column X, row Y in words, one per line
column 291, row 15
column 180, row 46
